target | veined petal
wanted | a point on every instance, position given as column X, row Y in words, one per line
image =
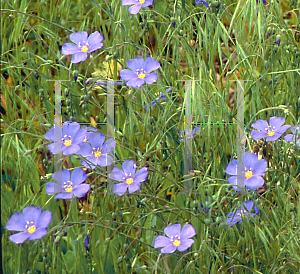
column 129, row 167
column 61, row 176
column 20, row 237
column 151, row 78
column 135, row 64
column 127, row 75
column 135, row 9
column 147, row 3
column 168, row 249
column 80, row 190
column 135, row 83
column 173, row 230
column 32, row 213
column 16, row 222
column 276, row 122
column 185, row 244
column 134, row 187
column 117, row 174
column 128, row 2
column 250, row 159
column 120, row 189
column 95, row 39
column 261, row 125
column 141, row 175
column 96, row 139
column 78, row 176
column 150, row 64
column 256, row 135
column 69, row 48
column 78, row 57
column 79, row 37
column 44, row 219
column 38, row 234
column 254, row 182
column 188, row 231
column 53, row 188
column 162, row 241
column 260, row 167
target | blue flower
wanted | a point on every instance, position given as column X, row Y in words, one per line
column 86, row 241
column 137, row 4
column 237, row 217
column 131, row 180
column 83, row 45
column 162, row 96
column 189, row 134
column 96, row 152
column 251, row 173
column 140, row 72
column 177, row 238
column 272, row 131
column 204, row 2
column 71, row 138
column 32, row 222
column 295, row 137
column 67, row 185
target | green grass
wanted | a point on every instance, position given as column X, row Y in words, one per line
column 213, row 47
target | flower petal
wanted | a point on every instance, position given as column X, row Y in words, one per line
column 276, row 122
column 96, row 139
column 32, row 213
column 260, row 167
column 95, row 40
column 173, row 230
column 147, row 3
column 20, row 237
column 261, row 125
column 185, row 244
column 135, row 64
column 78, row 176
column 61, row 176
column 53, row 188
column 120, row 189
column 168, row 249
column 135, row 9
column 150, row 64
column 50, row 134
column 141, row 175
column 70, row 128
column 64, row 195
column 85, row 149
column 256, row 135
column 70, row 48
column 79, row 37
column 81, row 190
column 188, row 231
column 135, row 83
column 250, row 159
column 80, row 136
column 134, row 187
column 44, row 219
column 162, row 241
column 79, row 57
column 129, row 167
column 109, row 146
column 128, row 2
column 105, row 160
column 117, row 174
column 127, row 75
column 38, row 234
column 247, row 205
column 151, row 78
column 68, row 150
column 254, row 182
column 16, row 222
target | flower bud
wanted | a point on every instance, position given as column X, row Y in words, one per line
column 75, row 75
column 278, row 39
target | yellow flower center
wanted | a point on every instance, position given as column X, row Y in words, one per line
column 242, row 212
column 271, row 132
column 84, row 49
column 129, row 181
column 68, row 186
column 141, row 75
column 30, row 227
column 248, row 174
column 97, row 154
column 142, row 1
column 85, row 139
column 176, row 243
column 68, row 143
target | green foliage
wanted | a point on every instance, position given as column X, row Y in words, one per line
column 214, row 48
